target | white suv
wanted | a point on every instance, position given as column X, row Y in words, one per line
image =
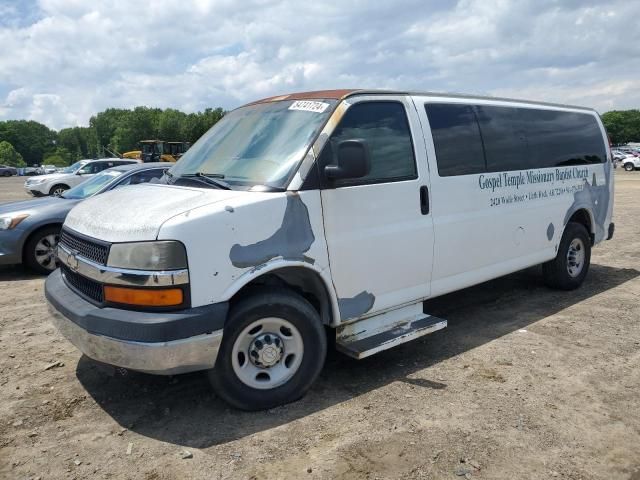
column 57, row 183
column 630, row 163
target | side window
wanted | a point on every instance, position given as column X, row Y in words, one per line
column 456, row 138
column 148, row 176
column 503, row 134
column 90, row 168
column 559, row 138
column 384, row 127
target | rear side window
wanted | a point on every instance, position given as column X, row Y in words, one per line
column 456, row 137
column 484, row 138
column 504, row 136
column 563, row 138
column 385, row 129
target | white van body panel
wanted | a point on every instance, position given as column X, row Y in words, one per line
column 380, row 244
column 491, row 224
column 232, row 242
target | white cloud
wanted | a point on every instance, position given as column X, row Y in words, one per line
column 63, row 60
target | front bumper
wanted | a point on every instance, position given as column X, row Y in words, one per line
column 36, row 189
column 11, row 246
column 163, row 343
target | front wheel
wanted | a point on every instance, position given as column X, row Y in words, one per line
column 273, row 348
column 568, row 270
column 40, row 250
column 629, row 167
column 58, row 190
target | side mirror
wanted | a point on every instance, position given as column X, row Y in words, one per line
column 354, row 161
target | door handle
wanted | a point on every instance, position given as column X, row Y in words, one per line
column 424, row 200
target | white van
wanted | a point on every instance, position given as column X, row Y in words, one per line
column 333, row 210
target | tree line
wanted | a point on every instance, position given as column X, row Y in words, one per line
column 117, row 130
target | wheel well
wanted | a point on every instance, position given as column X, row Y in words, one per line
column 583, row 218
column 31, row 235
column 304, row 281
column 58, row 185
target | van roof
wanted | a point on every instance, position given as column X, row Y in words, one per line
column 344, row 93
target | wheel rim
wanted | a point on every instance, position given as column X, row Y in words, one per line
column 628, row 167
column 267, row 353
column 59, row 191
column 575, row 257
column 45, row 251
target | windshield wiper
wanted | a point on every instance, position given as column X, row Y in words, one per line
column 209, row 178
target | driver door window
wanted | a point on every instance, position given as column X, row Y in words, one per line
column 384, row 127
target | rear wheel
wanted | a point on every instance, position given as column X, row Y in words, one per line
column 568, row 270
column 6, row 174
column 58, row 189
column 273, row 349
column 629, row 167
column 40, row 250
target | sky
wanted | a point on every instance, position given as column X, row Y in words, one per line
column 62, row 61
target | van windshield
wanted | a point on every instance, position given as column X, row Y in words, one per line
column 259, row 144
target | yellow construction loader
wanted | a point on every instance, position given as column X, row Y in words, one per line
column 158, row 151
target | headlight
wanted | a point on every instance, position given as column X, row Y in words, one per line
column 161, row 255
column 35, row 181
column 11, row 222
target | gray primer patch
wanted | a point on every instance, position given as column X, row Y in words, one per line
column 550, row 230
column 596, row 198
column 291, row 240
column 355, row 306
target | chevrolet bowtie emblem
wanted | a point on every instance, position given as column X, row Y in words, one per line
column 72, row 262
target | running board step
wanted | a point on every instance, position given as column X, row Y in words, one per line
column 359, row 342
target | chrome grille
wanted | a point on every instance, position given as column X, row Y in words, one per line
column 93, row 250
column 83, row 285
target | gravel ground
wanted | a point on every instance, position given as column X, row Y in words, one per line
column 525, row 383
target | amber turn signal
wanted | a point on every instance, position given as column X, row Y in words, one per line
column 165, row 297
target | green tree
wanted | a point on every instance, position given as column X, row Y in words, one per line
column 59, row 156
column 9, row 156
column 171, row 125
column 31, row 139
column 623, row 126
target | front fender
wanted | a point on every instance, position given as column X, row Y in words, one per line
column 278, row 264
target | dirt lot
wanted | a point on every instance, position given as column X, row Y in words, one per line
column 525, row 383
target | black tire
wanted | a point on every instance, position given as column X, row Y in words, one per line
column 61, row 187
column 556, row 272
column 629, row 167
column 29, row 251
column 265, row 303
column 6, row 174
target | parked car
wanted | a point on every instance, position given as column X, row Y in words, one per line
column 58, row 183
column 338, row 209
column 47, row 169
column 630, row 163
column 6, row 171
column 29, row 230
column 618, row 157
column 31, row 171
column 629, row 151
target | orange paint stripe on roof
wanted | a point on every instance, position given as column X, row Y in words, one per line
column 333, row 94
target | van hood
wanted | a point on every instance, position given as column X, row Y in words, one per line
column 136, row 213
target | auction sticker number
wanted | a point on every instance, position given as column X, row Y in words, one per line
column 309, row 106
